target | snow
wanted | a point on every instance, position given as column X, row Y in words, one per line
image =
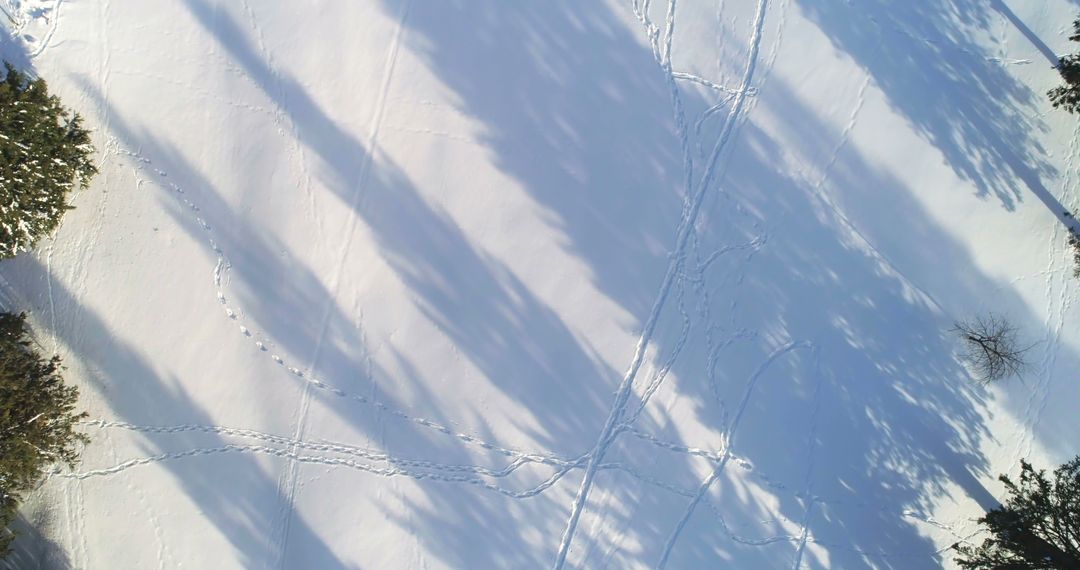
column 428, row 284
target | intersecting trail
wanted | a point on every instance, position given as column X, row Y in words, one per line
column 54, row 22
column 459, row 473
column 686, row 227
column 262, row 343
column 397, row 467
column 666, row 476
column 702, row 81
column 808, row 484
column 333, row 447
column 729, row 445
column 291, row 476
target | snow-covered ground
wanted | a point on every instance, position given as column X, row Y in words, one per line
column 582, row 284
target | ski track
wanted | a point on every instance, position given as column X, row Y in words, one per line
column 53, row 24
column 697, row 280
column 825, row 199
column 808, row 484
column 714, row 86
column 231, row 313
column 686, row 226
column 803, row 537
column 1056, row 310
column 388, row 472
column 140, row 496
column 290, row 483
column 564, row 465
column 677, row 277
column 222, row 265
column 75, row 496
column 265, row 345
column 327, row 446
column 289, row 480
column 729, row 444
column 465, row 474
column 280, row 117
column 200, row 92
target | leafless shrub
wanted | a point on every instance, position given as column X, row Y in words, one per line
column 992, row 346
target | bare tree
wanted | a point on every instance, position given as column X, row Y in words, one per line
column 992, row 347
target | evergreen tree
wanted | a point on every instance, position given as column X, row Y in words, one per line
column 44, row 153
column 37, row 418
column 1068, row 96
column 1037, row 528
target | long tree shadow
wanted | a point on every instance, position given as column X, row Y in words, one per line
column 1004, row 10
column 961, row 99
column 486, row 311
column 240, row 506
column 987, row 124
column 889, row 425
column 605, row 138
column 484, row 308
column 889, row 376
column 14, row 52
column 32, row 550
column 575, row 109
column 881, row 422
column 282, row 314
column 521, row 346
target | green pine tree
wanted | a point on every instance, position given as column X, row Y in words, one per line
column 1038, row 527
column 1068, row 96
column 44, row 153
column 37, row 418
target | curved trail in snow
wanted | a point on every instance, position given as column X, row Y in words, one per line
column 728, row 447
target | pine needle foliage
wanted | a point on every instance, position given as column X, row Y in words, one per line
column 1074, row 245
column 45, row 153
column 37, row 418
column 1038, row 527
column 1068, row 96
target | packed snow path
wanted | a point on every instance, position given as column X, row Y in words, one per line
column 406, row 283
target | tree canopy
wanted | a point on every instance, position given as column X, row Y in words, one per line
column 1068, row 96
column 1038, row 527
column 37, row 417
column 44, row 153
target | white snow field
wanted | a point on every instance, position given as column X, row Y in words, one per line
column 567, row 284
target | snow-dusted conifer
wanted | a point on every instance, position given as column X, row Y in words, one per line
column 44, row 153
column 37, row 418
column 1038, row 527
column 1068, row 96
